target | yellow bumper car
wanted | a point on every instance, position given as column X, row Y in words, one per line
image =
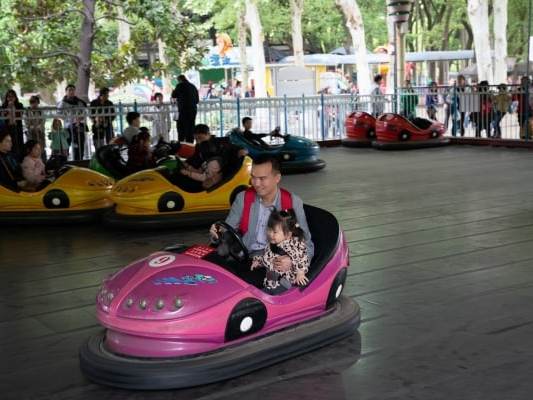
column 153, row 199
column 76, row 194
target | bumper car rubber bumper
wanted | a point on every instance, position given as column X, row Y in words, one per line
column 351, row 142
column 296, row 167
column 104, row 367
column 163, row 220
column 408, row 145
column 51, row 217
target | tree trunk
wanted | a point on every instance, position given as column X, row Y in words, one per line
column 167, row 86
column 354, row 23
column 478, row 15
column 86, row 49
column 256, row 32
column 444, row 65
column 124, row 33
column 391, row 51
column 500, row 41
column 297, row 8
column 241, row 31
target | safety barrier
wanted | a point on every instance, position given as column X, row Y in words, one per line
column 467, row 112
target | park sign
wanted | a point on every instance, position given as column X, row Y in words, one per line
column 399, row 10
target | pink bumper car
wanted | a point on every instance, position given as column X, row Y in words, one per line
column 360, row 129
column 189, row 316
column 394, row 132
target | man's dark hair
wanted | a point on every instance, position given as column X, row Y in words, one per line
column 182, row 78
column 132, row 116
column 104, row 91
column 266, row 158
column 201, row 129
column 158, row 94
column 70, row 85
column 378, row 78
column 246, row 119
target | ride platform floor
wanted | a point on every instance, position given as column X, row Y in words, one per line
column 441, row 245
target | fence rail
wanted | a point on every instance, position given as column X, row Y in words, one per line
column 466, row 112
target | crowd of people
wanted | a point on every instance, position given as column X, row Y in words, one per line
column 69, row 128
column 477, row 105
column 26, row 169
column 480, row 105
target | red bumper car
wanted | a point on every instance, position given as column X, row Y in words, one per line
column 360, row 129
column 394, row 132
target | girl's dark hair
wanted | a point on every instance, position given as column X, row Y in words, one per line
column 11, row 91
column 143, row 134
column 29, row 145
column 286, row 219
column 3, row 134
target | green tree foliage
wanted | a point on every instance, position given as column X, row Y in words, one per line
column 439, row 25
column 322, row 22
column 517, row 34
column 42, row 40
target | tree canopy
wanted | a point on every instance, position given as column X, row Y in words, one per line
column 41, row 38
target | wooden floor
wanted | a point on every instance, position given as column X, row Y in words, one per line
column 441, row 247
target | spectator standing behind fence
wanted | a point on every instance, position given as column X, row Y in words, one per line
column 449, row 98
column 12, row 112
column 102, row 115
column 237, row 90
column 524, row 106
column 408, row 101
column 35, row 122
column 160, row 117
column 377, row 100
column 501, row 102
column 432, row 101
column 73, row 109
column 483, row 115
column 463, row 96
column 58, row 139
column 186, row 96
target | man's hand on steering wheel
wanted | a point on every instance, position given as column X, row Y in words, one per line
column 213, row 233
column 229, row 241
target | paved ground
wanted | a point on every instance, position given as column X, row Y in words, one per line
column 441, row 247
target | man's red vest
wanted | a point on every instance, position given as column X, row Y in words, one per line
column 249, row 198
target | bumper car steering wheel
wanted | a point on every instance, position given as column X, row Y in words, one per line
column 229, row 242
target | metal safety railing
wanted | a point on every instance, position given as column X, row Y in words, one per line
column 473, row 111
column 466, row 112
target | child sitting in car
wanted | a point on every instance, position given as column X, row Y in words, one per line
column 139, row 152
column 33, row 167
column 286, row 238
